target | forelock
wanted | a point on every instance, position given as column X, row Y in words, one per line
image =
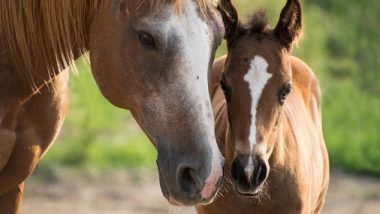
column 258, row 22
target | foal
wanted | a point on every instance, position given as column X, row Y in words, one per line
column 268, row 122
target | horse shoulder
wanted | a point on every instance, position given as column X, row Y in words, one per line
column 12, row 92
column 38, row 122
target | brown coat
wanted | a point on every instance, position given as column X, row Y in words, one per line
column 299, row 174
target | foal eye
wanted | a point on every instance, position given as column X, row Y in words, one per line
column 146, row 39
column 283, row 93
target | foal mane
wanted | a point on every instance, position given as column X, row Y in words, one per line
column 259, row 22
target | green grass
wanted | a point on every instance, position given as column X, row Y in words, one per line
column 340, row 44
column 351, row 120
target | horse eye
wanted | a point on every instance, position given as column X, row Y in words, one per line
column 146, row 39
column 284, row 92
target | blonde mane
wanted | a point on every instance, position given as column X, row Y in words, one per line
column 42, row 34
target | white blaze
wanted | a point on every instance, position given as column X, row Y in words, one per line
column 256, row 77
column 197, row 49
column 195, row 55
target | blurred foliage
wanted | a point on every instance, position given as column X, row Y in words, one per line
column 341, row 44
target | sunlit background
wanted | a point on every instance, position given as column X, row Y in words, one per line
column 340, row 43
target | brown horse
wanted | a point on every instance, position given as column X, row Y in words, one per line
column 152, row 57
column 268, row 119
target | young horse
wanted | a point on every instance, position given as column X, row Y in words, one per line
column 151, row 57
column 269, row 121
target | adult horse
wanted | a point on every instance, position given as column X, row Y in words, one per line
column 151, row 57
column 268, row 119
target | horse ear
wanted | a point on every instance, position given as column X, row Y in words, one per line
column 230, row 18
column 289, row 26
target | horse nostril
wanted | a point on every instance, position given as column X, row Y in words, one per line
column 261, row 173
column 238, row 173
column 189, row 182
column 248, row 178
column 235, row 168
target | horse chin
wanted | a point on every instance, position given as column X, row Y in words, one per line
column 164, row 188
column 169, row 197
column 208, row 201
column 175, row 202
column 172, row 201
column 252, row 192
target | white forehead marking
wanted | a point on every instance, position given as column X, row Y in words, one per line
column 256, row 77
column 194, row 55
column 197, row 48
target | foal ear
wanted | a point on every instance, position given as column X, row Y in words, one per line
column 289, row 26
column 230, row 19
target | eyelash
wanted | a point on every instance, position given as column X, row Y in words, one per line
column 146, row 39
column 283, row 93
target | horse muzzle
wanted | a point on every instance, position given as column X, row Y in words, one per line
column 249, row 180
column 189, row 184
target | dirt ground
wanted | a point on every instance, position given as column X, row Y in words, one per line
column 138, row 192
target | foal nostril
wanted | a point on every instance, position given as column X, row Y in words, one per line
column 260, row 172
column 238, row 173
column 189, row 182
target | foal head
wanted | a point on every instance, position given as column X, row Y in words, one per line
column 153, row 57
column 256, row 80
